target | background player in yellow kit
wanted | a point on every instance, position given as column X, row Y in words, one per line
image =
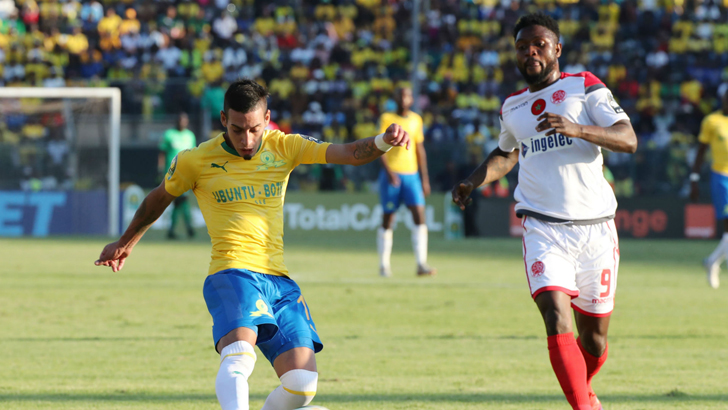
column 714, row 135
column 404, row 178
column 239, row 179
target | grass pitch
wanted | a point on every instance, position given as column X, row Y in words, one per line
column 75, row 336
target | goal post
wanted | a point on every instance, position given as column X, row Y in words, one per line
column 114, row 95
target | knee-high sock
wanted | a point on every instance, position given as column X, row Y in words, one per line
column 384, row 247
column 721, row 251
column 570, row 368
column 419, row 244
column 593, row 363
column 296, row 390
column 237, row 361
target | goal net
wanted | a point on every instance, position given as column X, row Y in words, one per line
column 59, row 161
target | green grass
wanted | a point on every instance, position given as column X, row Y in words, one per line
column 74, row 336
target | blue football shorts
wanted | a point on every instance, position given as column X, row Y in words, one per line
column 272, row 306
column 719, row 192
column 409, row 191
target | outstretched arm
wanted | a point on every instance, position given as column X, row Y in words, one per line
column 114, row 254
column 367, row 150
column 495, row 167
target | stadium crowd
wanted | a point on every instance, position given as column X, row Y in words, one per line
column 331, row 66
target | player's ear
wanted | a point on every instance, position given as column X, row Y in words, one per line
column 267, row 117
column 558, row 49
column 223, row 119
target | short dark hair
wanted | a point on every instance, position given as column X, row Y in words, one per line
column 537, row 19
column 244, row 95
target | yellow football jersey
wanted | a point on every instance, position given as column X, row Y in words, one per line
column 400, row 159
column 714, row 132
column 242, row 200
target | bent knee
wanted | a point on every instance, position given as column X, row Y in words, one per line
column 301, row 385
column 557, row 322
column 594, row 343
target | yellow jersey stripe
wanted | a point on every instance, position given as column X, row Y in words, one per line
column 299, row 393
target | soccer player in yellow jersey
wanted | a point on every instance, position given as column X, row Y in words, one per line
column 404, row 178
column 714, row 134
column 240, row 179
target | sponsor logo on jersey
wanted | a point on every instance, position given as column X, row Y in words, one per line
column 269, row 161
column 538, row 106
column 537, row 269
column 558, row 97
column 613, row 103
column 521, row 105
column 262, row 309
column 222, row 167
column 540, row 144
column 603, row 300
column 312, row 139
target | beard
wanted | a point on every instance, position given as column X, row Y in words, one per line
column 533, row 79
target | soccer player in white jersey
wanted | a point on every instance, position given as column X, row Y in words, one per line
column 239, row 179
column 556, row 129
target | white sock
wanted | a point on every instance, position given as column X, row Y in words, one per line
column 721, row 251
column 384, row 247
column 296, row 390
column 237, row 361
column 419, row 244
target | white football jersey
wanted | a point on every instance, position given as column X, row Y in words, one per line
column 561, row 177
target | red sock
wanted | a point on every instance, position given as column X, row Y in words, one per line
column 593, row 363
column 570, row 369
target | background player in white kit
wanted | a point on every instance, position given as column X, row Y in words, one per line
column 556, row 128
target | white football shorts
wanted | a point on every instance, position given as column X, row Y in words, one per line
column 579, row 260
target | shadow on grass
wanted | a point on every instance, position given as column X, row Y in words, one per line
column 669, row 397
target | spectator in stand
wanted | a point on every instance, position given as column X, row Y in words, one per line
column 663, row 62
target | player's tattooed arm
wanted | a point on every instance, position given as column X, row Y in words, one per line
column 620, row 137
column 496, row 166
column 114, row 254
column 366, row 150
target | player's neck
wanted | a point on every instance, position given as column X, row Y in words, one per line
column 725, row 110
column 403, row 112
column 550, row 79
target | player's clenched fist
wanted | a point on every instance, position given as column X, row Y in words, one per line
column 397, row 136
column 113, row 256
column 461, row 194
column 557, row 124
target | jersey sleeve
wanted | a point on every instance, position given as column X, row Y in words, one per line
column 306, row 150
column 707, row 130
column 602, row 108
column 506, row 141
column 182, row 174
